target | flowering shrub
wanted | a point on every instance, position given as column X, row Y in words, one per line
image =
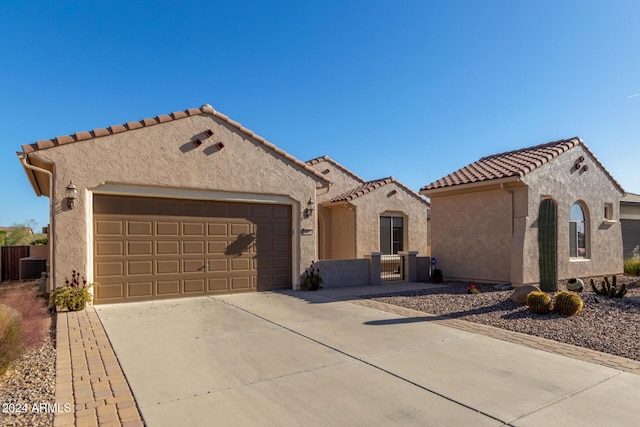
column 472, row 289
column 312, row 279
column 74, row 295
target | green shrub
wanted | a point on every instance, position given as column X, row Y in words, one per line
column 632, row 266
column 568, row 303
column 539, row 302
column 10, row 336
column 74, row 295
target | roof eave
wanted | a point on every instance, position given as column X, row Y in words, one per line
column 470, row 186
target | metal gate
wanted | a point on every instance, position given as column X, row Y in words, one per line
column 391, row 268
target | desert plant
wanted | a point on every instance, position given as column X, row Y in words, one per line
column 548, row 245
column 568, row 303
column 632, row 266
column 74, row 295
column 312, row 279
column 539, row 302
column 609, row 288
column 436, row 276
column 10, row 334
column 472, row 289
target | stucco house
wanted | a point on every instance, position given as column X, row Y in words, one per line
column 188, row 203
column 630, row 220
column 485, row 215
column 357, row 217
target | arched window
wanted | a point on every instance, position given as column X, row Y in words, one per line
column 577, row 232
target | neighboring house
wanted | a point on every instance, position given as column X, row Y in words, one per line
column 358, row 217
column 189, row 203
column 484, row 216
column 630, row 220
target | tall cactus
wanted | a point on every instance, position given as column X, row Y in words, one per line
column 548, row 245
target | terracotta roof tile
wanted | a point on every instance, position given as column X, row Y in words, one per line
column 117, row 128
column 176, row 115
column 149, row 122
column 64, row 139
column 516, row 163
column 81, row 136
column 370, row 186
column 100, row 132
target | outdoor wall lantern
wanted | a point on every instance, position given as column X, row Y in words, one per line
column 72, row 195
column 309, row 210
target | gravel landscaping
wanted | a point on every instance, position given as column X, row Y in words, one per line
column 609, row 325
column 27, row 389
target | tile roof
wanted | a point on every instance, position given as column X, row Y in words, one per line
column 205, row 109
column 516, row 163
column 326, row 158
column 370, row 186
column 630, row 198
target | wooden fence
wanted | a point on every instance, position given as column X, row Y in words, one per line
column 10, row 265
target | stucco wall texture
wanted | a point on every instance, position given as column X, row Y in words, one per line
column 163, row 158
column 592, row 188
column 490, row 233
column 390, row 199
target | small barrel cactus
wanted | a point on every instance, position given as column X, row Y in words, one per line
column 568, row 303
column 539, row 302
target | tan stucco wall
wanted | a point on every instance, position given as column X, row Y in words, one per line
column 340, row 181
column 162, row 158
column 566, row 186
column 371, row 206
column 471, row 235
column 342, row 244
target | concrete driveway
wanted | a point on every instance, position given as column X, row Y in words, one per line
column 295, row 358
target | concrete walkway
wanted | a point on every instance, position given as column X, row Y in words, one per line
column 325, row 358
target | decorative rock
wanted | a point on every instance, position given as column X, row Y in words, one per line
column 576, row 286
column 519, row 296
column 503, row 287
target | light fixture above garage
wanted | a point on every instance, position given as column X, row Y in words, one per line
column 309, row 210
column 72, row 194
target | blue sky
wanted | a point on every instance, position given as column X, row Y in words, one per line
column 413, row 89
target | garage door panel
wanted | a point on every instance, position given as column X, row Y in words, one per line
column 109, row 248
column 192, row 248
column 140, row 289
column 176, row 248
column 168, row 288
column 168, row 247
column 140, row 228
column 140, row 247
column 193, row 229
column 220, row 230
column 194, row 286
column 109, row 228
column 194, row 265
column 168, row 228
column 167, row 266
column 240, row 264
column 240, row 283
column 218, row 284
column 109, row 291
column 110, row 268
column 218, row 265
column 137, row 268
column 217, row 247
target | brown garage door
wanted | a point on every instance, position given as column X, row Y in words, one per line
column 149, row 248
